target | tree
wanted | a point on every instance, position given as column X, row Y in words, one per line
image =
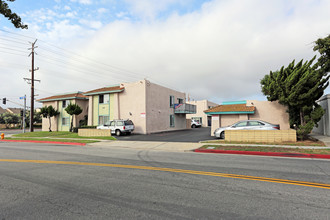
column 73, row 109
column 322, row 45
column 13, row 17
column 299, row 87
column 48, row 112
column 9, row 118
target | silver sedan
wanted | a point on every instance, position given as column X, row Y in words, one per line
column 246, row 125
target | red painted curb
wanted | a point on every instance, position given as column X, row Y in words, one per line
column 46, row 142
column 279, row 154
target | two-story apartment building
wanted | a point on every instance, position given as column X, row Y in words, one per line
column 151, row 107
column 63, row 121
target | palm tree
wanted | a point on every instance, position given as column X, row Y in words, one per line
column 48, row 112
column 73, row 109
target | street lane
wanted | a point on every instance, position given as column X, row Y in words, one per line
column 33, row 191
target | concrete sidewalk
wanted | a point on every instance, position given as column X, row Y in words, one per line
column 323, row 138
column 176, row 146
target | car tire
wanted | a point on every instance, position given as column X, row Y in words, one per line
column 128, row 133
column 193, row 126
column 118, row 132
column 222, row 135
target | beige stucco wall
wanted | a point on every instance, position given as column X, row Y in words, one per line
column 45, row 121
column 132, row 105
column 146, row 104
column 56, row 121
column 90, row 111
column 83, row 103
column 201, row 106
column 271, row 112
column 159, row 110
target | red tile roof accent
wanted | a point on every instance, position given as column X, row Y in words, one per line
column 106, row 89
column 232, row 108
column 59, row 97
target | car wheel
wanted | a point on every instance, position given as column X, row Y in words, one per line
column 128, row 133
column 193, row 126
column 222, row 135
column 118, row 133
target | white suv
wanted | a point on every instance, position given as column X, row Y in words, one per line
column 118, row 127
column 195, row 124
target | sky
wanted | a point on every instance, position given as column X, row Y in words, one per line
column 210, row 49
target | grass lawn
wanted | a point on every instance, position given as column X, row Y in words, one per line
column 267, row 149
column 46, row 135
column 309, row 142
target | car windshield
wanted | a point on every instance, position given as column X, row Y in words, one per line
column 128, row 122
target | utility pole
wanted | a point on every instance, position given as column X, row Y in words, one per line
column 32, row 84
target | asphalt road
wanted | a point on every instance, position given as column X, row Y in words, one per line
column 189, row 135
column 119, row 188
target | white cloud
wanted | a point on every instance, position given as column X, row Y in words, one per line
column 148, row 9
column 219, row 52
column 91, row 24
column 102, row 10
column 121, row 14
column 222, row 51
column 84, row 2
column 68, row 8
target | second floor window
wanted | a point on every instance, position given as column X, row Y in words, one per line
column 101, row 99
column 104, row 98
column 64, row 103
column 171, row 101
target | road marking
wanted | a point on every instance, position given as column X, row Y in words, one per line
column 263, row 179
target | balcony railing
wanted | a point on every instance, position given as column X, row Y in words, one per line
column 184, row 109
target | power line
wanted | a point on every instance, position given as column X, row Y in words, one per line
column 65, row 51
column 12, row 53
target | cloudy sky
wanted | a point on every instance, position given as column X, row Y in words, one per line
column 210, row 49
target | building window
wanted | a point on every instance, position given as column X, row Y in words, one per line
column 64, row 103
column 172, row 121
column 65, row 121
column 104, row 98
column 103, row 119
column 171, row 101
column 180, row 101
column 101, row 99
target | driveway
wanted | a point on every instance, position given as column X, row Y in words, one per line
column 190, row 135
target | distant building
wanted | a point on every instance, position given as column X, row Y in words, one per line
column 201, row 106
column 16, row 111
column 324, row 124
column 2, row 110
column 230, row 112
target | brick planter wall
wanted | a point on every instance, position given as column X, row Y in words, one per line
column 267, row 136
column 94, row 132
